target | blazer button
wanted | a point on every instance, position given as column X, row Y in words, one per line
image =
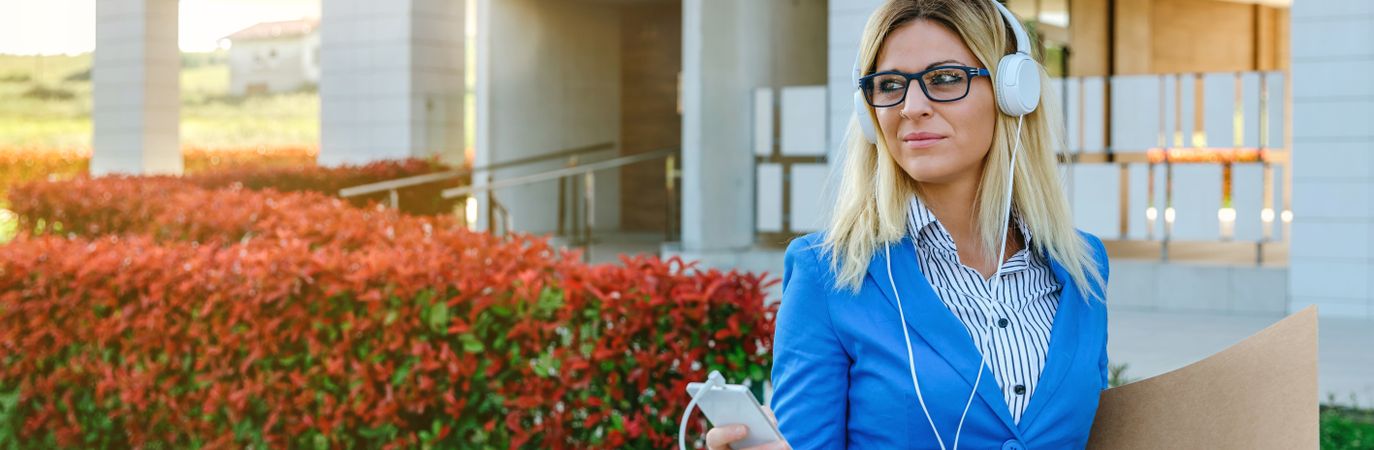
column 1013, row 445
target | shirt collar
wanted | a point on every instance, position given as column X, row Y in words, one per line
column 929, row 233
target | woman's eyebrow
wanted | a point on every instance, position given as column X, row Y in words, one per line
column 940, row 63
column 936, row 63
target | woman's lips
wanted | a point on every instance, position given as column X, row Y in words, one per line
column 921, row 140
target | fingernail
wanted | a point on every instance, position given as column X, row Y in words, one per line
column 740, row 430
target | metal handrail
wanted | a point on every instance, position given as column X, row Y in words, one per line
column 578, row 169
column 401, row 183
column 582, row 207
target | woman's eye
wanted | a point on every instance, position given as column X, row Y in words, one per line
column 890, row 86
column 945, row 78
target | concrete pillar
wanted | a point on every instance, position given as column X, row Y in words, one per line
column 136, row 83
column 729, row 49
column 391, row 80
column 847, row 20
column 1332, row 253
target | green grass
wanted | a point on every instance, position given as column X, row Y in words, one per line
column 46, row 69
column 285, row 119
column 1346, row 428
column 209, row 117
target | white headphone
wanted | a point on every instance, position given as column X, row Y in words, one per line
column 1016, row 83
column 1018, row 93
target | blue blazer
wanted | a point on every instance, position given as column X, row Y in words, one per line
column 840, row 373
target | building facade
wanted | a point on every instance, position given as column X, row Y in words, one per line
column 1221, row 148
column 274, row 57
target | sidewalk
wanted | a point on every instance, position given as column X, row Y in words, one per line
column 1152, row 343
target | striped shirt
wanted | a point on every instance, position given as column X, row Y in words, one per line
column 1022, row 309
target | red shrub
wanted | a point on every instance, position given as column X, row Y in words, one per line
column 200, row 159
column 169, row 208
column 287, row 168
column 347, row 327
column 329, row 181
column 23, row 164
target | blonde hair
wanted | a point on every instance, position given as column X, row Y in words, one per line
column 871, row 204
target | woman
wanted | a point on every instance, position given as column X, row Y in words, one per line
column 906, row 302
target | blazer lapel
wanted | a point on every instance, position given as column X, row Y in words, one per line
column 1064, row 339
column 933, row 322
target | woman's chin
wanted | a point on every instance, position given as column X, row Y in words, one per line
column 926, row 169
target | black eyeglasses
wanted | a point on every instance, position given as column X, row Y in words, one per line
column 940, row 84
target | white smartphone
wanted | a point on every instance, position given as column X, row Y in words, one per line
column 728, row 404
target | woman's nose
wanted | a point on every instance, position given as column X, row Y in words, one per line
column 916, row 104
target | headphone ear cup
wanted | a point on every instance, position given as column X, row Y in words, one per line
column 1017, row 87
column 865, row 120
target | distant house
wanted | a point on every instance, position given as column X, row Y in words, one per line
column 274, row 57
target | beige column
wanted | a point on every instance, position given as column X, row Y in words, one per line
column 391, row 80
column 135, row 79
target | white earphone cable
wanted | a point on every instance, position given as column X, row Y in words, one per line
column 996, row 283
column 714, row 380
column 911, row 361
column 997, row 275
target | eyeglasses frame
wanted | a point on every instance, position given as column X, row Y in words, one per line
column 865, row 83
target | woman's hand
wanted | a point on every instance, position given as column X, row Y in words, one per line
column 720, row 438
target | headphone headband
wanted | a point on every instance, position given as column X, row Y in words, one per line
column 1022, row 40
column 1019, row 32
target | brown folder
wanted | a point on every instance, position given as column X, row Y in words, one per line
column 1258, row 394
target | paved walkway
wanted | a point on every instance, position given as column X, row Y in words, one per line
column 1152, row 343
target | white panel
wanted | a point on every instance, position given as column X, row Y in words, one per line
column 1135, row 112
column 846, row 19
column 1331, row 240
column 1094, row 114
column 763, row 121
column 1326, row 10
column 1072, row 113
column 1197, row 197
column 1184, row 137
column 808, row 185
column 1247, row 197
column 1339, row 38
column 1250, row 108
column 1185, row 288
column 768, row 198
column 803, row 120
column 1219, row 109
column 1337, row 161
column 1343, row 118
column 1340, row 77
column 842, row 110
column 1333, row 199
column 855, row 7
column 1169, row 128
column 1276, row 106
column 1138, row 193
column 1096, row 202
column 1331, row 279
column 1279, row 205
